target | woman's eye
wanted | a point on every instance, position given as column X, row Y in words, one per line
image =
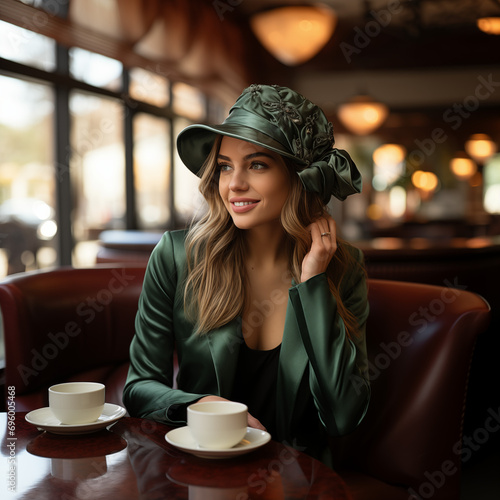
column 259, row 166
column 223, row 167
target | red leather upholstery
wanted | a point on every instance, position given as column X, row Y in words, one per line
column 68, row 324
column 420, row 342
column 465, row 264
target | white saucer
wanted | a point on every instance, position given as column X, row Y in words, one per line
column 44, row 419
column 181, row 438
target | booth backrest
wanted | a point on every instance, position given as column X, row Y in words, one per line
column 68, row 324
column 420, row 341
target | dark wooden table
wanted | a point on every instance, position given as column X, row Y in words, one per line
column 131, row 459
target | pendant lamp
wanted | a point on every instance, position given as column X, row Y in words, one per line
column 462, row 166
column 362, row 115
column 294, row 34
column 480, row 147
column 490, row 25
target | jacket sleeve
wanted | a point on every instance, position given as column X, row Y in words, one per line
column 149, row 389
column 337, row 364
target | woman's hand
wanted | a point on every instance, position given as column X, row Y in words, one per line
column 252, row 421
column 323, row 247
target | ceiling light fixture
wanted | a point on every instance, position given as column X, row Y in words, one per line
column 389, row 154
column 425, row 181
column 480, row 147
column 294, row 34
column 362, row 115
column 462, row 166
column 490, row 25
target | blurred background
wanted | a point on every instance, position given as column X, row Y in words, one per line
column 94, row 92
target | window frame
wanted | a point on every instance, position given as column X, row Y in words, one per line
column 62, row 83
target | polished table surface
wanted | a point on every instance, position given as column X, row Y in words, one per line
column 131, row 459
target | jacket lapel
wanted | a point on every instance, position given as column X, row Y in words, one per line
column 224, row 344
column 290, row 374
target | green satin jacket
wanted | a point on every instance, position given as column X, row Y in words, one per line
column 318, row 364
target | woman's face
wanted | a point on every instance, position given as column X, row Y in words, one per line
column 254, row 183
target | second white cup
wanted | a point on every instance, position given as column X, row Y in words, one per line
column 217, row 425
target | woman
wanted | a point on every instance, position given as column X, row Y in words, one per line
column 260, row 299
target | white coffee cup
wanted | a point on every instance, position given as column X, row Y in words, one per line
column 217, row 425
column 77, row 402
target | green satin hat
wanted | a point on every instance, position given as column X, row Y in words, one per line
column 279, row 119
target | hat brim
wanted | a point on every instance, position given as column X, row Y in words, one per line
column 195, row 142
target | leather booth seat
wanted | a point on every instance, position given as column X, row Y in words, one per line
column 470, row 264
column 77, row 324
column 420, row 342
column 68, row 325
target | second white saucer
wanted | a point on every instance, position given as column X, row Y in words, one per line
column 181, row 438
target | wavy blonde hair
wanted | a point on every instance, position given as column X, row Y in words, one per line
column 215, row 286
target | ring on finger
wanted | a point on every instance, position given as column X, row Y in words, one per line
column 325, row 234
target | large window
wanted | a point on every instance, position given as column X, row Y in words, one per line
column 95, row 69
column 152, row 168
column 86, row 145
column 27, row 177
column 97, row 171
column 24, row 46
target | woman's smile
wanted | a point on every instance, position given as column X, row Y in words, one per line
column 242, row 205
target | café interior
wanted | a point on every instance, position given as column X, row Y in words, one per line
column 93, row 94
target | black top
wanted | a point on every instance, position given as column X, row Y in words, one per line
column 255, row 383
